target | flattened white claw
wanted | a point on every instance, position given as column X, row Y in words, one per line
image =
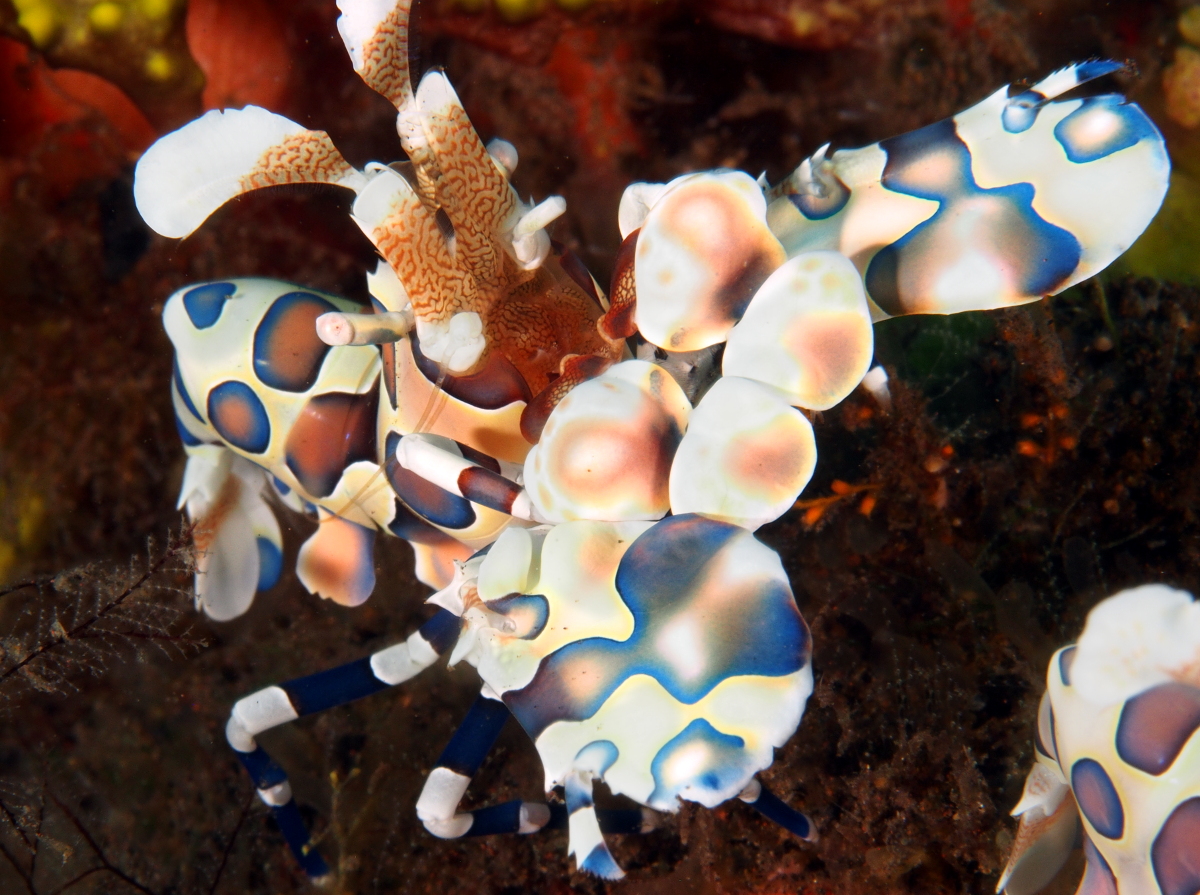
column 807, row 331
column 190, row 173
column 746, row 456
column 606, row 451
column 702, row 251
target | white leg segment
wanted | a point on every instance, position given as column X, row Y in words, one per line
column 439, row 800
column 398, row 663
column 255, row 713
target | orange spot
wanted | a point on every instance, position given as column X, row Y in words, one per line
column 832, row 348
column 765, row 460
column 840, row 488
column 333, row 560
column 1068, row 442
column 948, row 451
column 867, row 505
column 1028, row 448
column 813, row 515
column 1029, row 420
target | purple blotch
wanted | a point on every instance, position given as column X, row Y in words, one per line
column 1097, row 798
column 1156, row 724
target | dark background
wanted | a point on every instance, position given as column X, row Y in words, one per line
column 1035, row 459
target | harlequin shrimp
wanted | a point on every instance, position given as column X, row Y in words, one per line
column 478, row 324
column 636, row 441
column 666, row 658
column 1117, row 751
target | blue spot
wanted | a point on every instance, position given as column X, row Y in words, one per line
column 184, row 435
column 288, row 353
column 600, row 863
column 408, row 525
column 1021, row 111
column 1077, row 132
column 1097, row 798
column 427, row 500
column 748, row 627
column 702, row 761
column 528, row 612
column 998, row 222
column 204, row 304
column 818, row 208
column 282, row 488
column 597, row 756
column 183, row 392
column 239, row 416
column 270, row 563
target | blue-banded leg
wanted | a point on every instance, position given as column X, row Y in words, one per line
column 774, row 808
column 277, row 705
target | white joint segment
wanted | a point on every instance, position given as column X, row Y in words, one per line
column 438, row 803
column 257, row 712
column 430, row 462
column 504, row 154
column 277, row 795
column 341, row 328
column 523, row 508
column 451, row 828
column 752, row 791
column 237, row 736
column 540, row 217
column 396, row 664
column 421, row 650
column 534, row 816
